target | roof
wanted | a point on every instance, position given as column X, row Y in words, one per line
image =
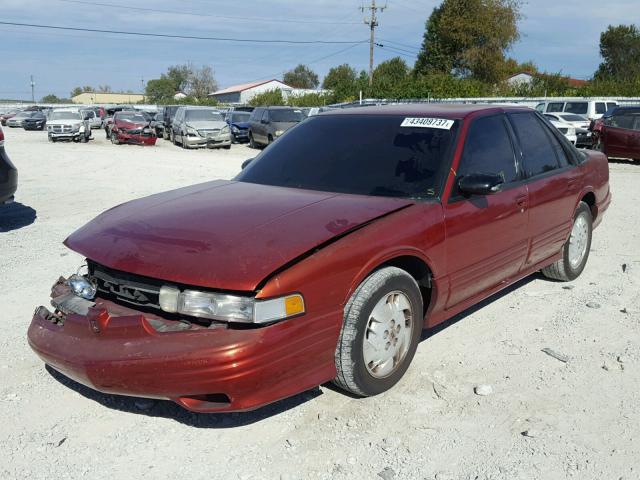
column 246, row 86
column 430, row 109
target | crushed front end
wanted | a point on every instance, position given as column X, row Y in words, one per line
column 119, row 341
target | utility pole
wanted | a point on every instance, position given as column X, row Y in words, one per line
column 33, row 95
column 372, row 21
column 142, row 84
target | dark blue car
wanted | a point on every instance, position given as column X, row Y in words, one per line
column 238, row 122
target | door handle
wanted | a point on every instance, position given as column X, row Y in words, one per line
column 521, row 202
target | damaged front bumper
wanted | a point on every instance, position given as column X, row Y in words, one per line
column 118, row 350
column 148, row 139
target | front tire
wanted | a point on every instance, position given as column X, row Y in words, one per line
column 252, row 143
column 382, row 324
column 575, row 252
column 114, row 139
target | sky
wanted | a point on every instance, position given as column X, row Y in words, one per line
column 559, row 36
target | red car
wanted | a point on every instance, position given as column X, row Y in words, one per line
column 324, row 258
column 131, row 127
column 618, row 133
column 6, row 116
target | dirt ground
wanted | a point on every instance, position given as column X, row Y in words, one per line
column 545, row 419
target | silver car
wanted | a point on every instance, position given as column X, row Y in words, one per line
column 94, row 120
column 200, row 127
column 16, row 120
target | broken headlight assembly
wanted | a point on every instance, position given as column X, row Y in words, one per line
column 81, row 286
column 230, row 308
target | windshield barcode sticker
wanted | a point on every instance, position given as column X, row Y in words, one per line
column 443, row 123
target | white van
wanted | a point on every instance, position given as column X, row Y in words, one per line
column 591, row 109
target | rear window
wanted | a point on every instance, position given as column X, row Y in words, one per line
column 358, row 154
column 537, row 150
column 581, row 108
column 611, row 105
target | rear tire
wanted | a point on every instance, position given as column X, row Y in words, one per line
column 575, row 252
column 252, row 143
column 382, row 324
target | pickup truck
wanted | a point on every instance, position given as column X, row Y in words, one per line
column 324, row 259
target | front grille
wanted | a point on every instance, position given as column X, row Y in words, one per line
column 125, row 287
column 209, row 132
column 61, row 128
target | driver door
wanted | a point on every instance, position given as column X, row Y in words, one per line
column 486, row 235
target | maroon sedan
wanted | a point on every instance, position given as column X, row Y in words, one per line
column 131, row 127
column 324, row 258
column 618, row 133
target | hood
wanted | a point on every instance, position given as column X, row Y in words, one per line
column 284, row 126
column 130, row 125
column 206, row 124
column 64, row 122
column 223, row 234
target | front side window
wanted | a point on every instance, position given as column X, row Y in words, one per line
column 488, row 149
column 537, row 151
column 621, row 121
column 580, row 108
column 358, row 154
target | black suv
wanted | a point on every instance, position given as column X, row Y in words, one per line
column 268, row 123
column 8, row 174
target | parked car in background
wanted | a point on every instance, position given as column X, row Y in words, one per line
column 266, row 124
column 131, row 126
column 168, row 114
column 107, row 119
column 6, row 116
column 619, row 133
column 37, row 121
column 591, row 109
column 575, row 125
column 200, row 127
column 68, row 124
column 238, row 122
column 16, row 120
column 158, row 124
column 324, row 259
column 8, row 175
column 94, row 120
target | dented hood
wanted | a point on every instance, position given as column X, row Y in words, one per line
column 222, row 234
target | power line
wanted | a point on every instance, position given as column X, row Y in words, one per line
column 227, row 17
column 397, row 52
column 413, row 47
column 396, row 49
column 183, row 37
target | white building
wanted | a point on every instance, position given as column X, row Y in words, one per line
column 245, row 92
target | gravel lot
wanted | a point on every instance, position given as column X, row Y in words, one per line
column 581, row 417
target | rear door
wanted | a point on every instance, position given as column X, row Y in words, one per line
column 553, row 185
column 486, row 234
column 634, row 143
column 617, row 135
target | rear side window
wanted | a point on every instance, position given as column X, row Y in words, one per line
column 555, row 107
column 581, row 108
column 488, row 149
column 256, row 115
column 601, row 107
column 537, row 150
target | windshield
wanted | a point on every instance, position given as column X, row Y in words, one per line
column 285, row 115
column 366, row 155
column 65, row 116
column 131, row 117
column 202, row 115
column 576, row 107
column 236, row 117
column 573, row 118
column 24, row 114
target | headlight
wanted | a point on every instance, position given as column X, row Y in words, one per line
column 235, row 129
column 571, row 131
column 229, row 308
column 49, row 127
column 82, row 287
column 224, row 129
column 192, row 131
column 279, row 132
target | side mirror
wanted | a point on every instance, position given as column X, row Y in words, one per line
column 480, row 184
column 264, row 121
column 246, row 163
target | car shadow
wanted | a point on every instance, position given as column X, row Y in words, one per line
column 170, row 410
column 623, row 161
column 15, row 216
